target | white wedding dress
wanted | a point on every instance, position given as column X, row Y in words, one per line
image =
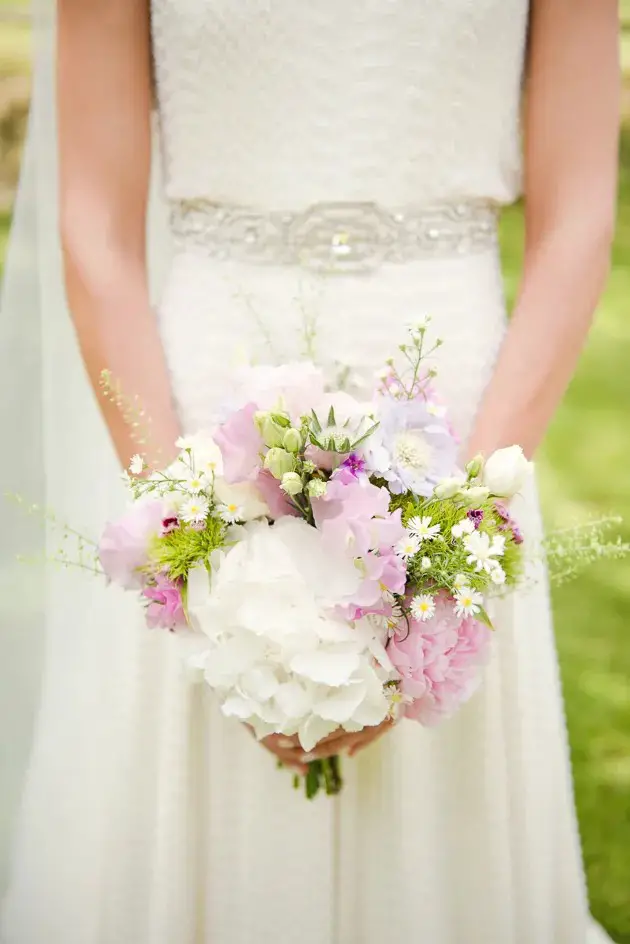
column 150, row 819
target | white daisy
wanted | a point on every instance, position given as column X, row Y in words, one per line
column 463, row 527
column 467, row 602
column 230, row 512
column 422, row 607
column 421, row 528
column 195, row 483
column 482, row 550
column 194, row 510
column 136, row 466
column 408, row 546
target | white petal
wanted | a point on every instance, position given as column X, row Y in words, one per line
column 314, row 730
column 326, row 666
column 342, row 703
column 235, row 706
column 259, row 683
column 293, row 700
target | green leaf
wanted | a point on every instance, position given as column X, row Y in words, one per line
column 317, row 426
column 331, row 421
column 483, row 617
column 281, row 419
column 366, row 435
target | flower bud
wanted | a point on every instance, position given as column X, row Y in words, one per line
column 259, row 418
column 271, row 432
column 475, row 466
column 506, row 471
column 316, row 488
column 292, row 440
column 279, row 462
column 448, row 488
column 475, row 494
column 291, row 483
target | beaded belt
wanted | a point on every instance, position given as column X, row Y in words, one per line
column 340, row 237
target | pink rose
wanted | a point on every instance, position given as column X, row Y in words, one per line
column 124, row 546
column 240, row 444
column 166, row 610
column 439, row 662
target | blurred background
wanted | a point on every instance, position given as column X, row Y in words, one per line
column 584, row 469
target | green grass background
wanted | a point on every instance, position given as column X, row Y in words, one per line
column 584, row 469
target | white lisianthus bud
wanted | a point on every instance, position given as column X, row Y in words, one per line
column 475, row 494
column 448, row 488
column 279, row 462
column 316, row 488
column 291, row 483
column 292, row 440
column 271, row 432
column 260, row 417
column 506, row 471
column 475, row 466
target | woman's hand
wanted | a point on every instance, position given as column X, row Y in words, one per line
column 290, row 753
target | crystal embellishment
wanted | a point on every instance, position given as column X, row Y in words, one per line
column 337, row 237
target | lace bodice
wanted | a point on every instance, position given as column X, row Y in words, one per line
column 278, row 103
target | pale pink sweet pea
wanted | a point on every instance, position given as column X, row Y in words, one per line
column 277, row 501
column 240, row 444
column 439, row 662
column 166, row 610
column 124, row 546
column 356, row 514
column 293, row 387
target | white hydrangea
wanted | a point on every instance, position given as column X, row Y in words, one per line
column 268, row 641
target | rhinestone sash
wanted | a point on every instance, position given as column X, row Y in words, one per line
column 336, row 237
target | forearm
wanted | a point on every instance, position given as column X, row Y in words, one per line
column 562, row 281
column 117, row 331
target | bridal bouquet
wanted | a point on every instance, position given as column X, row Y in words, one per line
column 322, row 561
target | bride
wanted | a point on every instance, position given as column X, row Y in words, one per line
column 330, row 171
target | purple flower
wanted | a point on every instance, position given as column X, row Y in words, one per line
column 412, row 449
column 509, row 523
column 476, row 516
column 165, row 610
column 355, row 464
column 502, row 511
column 517, row 534
column 171, row 523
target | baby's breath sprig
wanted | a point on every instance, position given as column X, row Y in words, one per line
column 131, row 409
column 73, row 550
column 412, row 381
column 568, row 551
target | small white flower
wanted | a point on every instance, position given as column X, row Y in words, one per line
column 460, row 581
column 425, row 563
column 136, row 466
column 421, row 528
column 481, row 550
column 422, row 607
column 467, row 602
column 462, row 528
column 506, row 471
column 436, row 409
column 231, row 513
column 497, row 574
column 316, row 488
column 448, row 487
column 408, row 546
column 195, row 484
column 194, row 510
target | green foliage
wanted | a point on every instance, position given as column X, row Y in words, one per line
column 186, row 546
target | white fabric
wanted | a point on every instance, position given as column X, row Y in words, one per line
column 149, row 818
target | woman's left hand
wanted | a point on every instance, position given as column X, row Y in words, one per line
column 341, row 740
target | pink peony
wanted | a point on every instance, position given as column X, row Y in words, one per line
column 240, row 444
column 166, row 610
column 439, row 662
column 124, row 546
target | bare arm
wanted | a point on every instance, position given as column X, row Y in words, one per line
column 571, row 130
column 104, row 99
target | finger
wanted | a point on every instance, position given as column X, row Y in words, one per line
column 370, row 735
column 290, row 758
